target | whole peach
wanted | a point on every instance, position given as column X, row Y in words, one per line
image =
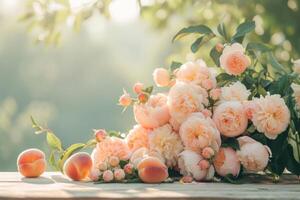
column 152, row 170
column 78, row 166
column 31, row 163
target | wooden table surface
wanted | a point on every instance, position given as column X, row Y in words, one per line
column 55, row 186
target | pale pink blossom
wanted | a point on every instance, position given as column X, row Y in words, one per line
column 206, row 113
column 111, row 146
column 215, row 93
column 230, row 118
column 227, row 162
column 188, row 164
column 128, row 168
column 219, row 47
column 235, row 92
column 207, row 152
column 94, row 174
column 296, row 66
column 119, row 174
column 137, row 137
column 161, row 77
column 100, row 134
column 253, row 155
column 108, row 176
column 198, row 132
column 271, row 116
column 233, row 59
column 167, row 143
column 296, row 89
column 198, row 73
column 184, row 99
column 204, row 164
column 138, row 87
column 113, row 161
column 125, row 99
column 153, row 113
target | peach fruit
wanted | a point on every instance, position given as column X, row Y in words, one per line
column 152, row 170
column 31, row 163
column 78, row 166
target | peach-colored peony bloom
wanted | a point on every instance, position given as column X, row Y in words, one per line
column 296, row 89
column 271, row 115
column 113, row 161
column 198, row 73
column 137, row 137
column 296, row 66
column 227, row 162
column 188, row 164
column 184, row 99
column 235, row 92
column 111, row 146
column 253, row 155
column 167, row 143
column 230, row 118
column 125, row 99
column 153, row 113
column 233, row 59
column 198, row 132
column 161, row 77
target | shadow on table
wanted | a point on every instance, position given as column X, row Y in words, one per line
column 39, row 180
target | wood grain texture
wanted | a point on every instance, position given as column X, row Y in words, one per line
column 55, row 186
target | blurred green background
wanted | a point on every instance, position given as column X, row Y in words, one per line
column 66, row 62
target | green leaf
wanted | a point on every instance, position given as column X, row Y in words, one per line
column 68, row 152
column 222, row 31
column 257, row 47
column 174, row 65
column 294, row 141
column 292, row 164
column 52, row 161
column 148, row 90
column 224, row 79
column 114, row 134
column 231, row 142
column 196, row 44
column 242, row 30
column 200, row 29
column 123, row 163
column 280, row 86
column 275, row 64
column 54, row 142
column 215, row 55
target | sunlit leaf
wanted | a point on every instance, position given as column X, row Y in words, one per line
column 242, row 30
column 54, row 142
column 200, row 29
column 196, row 44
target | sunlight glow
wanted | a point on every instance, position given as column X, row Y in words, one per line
column 124, row 11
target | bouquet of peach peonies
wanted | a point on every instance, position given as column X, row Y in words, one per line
column 213, row 123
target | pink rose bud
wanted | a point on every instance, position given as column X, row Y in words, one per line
column 125, row 99
column 128, row 168
column 100, row 135
column 138, row 87
column 108, row 176
column 114, row 161
column 215, row 93
column 102, row 166
column 161, row 77
column 143, row 97
column 203, row 164
column 94, row 174
column 187, row 179
column 208, row 152
column 219, row 47
column 207, row 113
column 119, row 174
column 207, row 84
